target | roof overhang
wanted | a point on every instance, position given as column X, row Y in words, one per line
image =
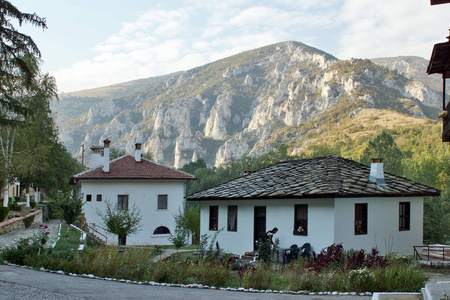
column 440, row 60
column 436, row 2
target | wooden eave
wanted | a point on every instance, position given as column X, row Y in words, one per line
column 440, row 60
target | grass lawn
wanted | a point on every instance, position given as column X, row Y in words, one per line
column 69, row 240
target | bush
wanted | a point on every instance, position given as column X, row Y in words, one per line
column 3, row 213
column 14, row 206
column 211, row 273
column 256, row 278
column 28, row 221
column 33, row 204
column 172, row 271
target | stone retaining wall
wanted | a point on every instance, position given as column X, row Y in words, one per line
column 18, row 224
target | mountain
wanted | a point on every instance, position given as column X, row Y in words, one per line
column 246, row 104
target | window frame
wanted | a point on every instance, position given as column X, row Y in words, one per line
column 300, row 221
column 120, row 202
column 232, row 209
column 213, row 217
column 404, row 216
column 361, row 218
column 163, row 201
column 89, row 198
column 99, row 197
column 161, row 228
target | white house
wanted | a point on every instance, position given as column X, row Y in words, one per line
column 320, row 201
column 158, row 192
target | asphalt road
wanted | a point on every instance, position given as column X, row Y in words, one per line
column 23, row 283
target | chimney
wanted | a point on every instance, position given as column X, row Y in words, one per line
column 376, row 171
column 106, row 155
column 138, row 152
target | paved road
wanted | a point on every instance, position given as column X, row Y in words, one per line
column 23, row 283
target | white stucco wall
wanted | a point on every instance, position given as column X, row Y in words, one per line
column 143, row 193
column 382, row 225
column 280, row 214
column 329, row 221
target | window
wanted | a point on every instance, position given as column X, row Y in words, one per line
column 360, row 218
column 99, row 198
column 301, row 219
column 162, row 201
column 213, row 217
column 232, row 218
column 404, row 216
column 88, row 198
column 122, row 202
column 161, row 230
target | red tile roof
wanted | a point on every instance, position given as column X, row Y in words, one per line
column 126, row 167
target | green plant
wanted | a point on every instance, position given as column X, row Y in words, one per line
column 122, row 222
column 28, row 221
column 3, row 213
column 257, row 278
column 211, row 273
column 33, row 203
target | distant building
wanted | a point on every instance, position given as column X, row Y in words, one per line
column 158, row 192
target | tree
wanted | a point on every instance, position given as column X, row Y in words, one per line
column 18, row 60
column 122, row 222
column 69, row 207
column 25, row 149
column 116, row 153
column 383, row 146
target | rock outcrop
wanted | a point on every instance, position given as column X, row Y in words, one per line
column 240, row 105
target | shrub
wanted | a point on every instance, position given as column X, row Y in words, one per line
column 172, row 271
column 14, row 206
column 33, row 204
column 3, row 213
column 28, row 221
column 211, row 273
column 257, row 278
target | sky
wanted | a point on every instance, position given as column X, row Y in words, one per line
column 95, row 43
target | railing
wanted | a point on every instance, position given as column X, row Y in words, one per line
column 432, row 252
column 91, row 230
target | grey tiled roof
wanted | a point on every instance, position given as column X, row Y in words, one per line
column 320, row 177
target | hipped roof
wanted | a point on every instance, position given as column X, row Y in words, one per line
column 126, row 167
column 323, row 177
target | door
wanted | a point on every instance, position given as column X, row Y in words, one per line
column 259, row 225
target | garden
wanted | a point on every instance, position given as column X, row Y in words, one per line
column 333, row 270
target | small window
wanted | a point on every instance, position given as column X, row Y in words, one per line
column 162, row 201
column 301, row 219
column 122, row 202
column 404, row 216
column 360, row 218
column 213, row 217
column 99, row 198
column 161, row 230
column 88, row 198
column 232, row 218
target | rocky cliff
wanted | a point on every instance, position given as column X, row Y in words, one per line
column 243, row 104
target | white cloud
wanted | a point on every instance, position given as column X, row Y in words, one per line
column 164, row 39
column 376, row 28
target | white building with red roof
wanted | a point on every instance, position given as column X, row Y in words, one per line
column 158, row 191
